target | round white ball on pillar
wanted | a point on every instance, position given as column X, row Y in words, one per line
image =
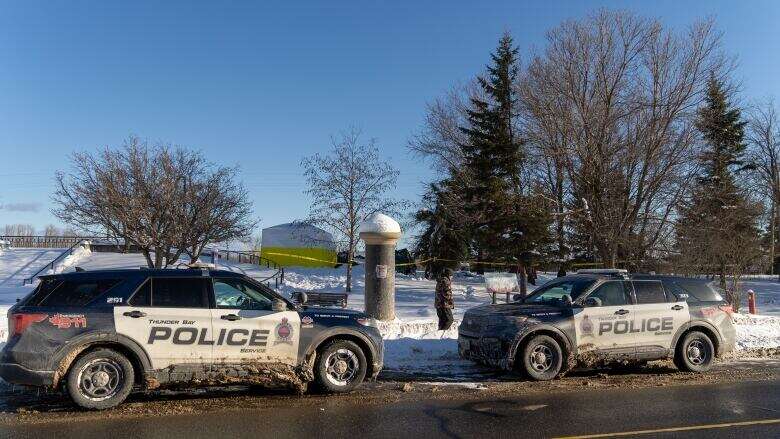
column 380, row 233
column 379, row 228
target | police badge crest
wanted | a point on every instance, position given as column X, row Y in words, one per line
column 284, row 332
column 586, row 325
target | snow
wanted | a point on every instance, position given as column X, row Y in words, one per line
column 413, row 343
column 379, row 223
column 757, row 331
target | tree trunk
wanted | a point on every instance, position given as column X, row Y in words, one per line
column 722, row 278
column 772, row 238
column 350, row 256
column 523, row 280
column 148, row 257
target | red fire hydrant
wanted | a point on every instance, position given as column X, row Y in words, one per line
column 752, row 302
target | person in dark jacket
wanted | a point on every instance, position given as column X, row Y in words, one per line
column 444, row 303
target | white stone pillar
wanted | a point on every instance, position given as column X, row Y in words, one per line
column 380, row 233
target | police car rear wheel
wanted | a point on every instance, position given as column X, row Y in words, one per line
column 340, row 367
column 100, row 379
column 542, row 358
column 695, row 353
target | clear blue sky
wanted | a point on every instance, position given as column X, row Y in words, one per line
column 262, row 84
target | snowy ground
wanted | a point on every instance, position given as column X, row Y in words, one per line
column 412, row 342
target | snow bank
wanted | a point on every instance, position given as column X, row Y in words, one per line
column 3, row 324
column 79, row 254
column 418, row 347
column 757, row 332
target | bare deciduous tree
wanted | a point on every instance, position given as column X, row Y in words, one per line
column 347, row 185
column 611, row 101
column 441, row 138
column 52, row 230
column 763, row 136
column 165, row 200
column 18, row 230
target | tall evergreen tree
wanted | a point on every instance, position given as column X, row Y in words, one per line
column 442, row 242
column 717, row 231
column 506, row 220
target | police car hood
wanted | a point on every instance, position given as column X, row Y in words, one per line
column 511, row 309
column 333, row 311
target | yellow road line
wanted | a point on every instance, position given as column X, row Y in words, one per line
column 674, row 429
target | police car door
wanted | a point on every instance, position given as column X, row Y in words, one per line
column 658, row 317
column 246, row 327
column 604, row 321
column 170, row 318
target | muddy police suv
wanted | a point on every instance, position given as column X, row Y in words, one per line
column 99, row 334
column 599, row 317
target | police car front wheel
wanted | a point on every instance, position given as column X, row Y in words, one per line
column 340, row 367
column 100, row 379
column 542, row 358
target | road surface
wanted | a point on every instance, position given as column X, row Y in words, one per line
column 742, row 409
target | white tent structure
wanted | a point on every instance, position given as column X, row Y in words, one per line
column 298, row 244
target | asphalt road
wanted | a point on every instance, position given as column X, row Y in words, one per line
column 744, row 409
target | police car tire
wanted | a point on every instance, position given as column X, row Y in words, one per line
column 551, row 346
column 320, row 367
column 122, row 389
column 684, row 363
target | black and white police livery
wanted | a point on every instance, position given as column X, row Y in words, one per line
column 99, row 334
column 599, row 317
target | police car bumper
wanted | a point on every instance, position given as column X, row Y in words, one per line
column 18, row 374
column 485, row 350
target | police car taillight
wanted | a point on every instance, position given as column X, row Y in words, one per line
column 18, row 323
column 726, row 308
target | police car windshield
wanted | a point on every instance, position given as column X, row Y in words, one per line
column 553, row 292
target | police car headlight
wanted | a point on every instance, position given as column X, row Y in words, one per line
column 367, row 321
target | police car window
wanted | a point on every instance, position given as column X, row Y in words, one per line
column 142, row 297
column 553, row 292
column 649, row 292
column 77, row 293
column 611, row 293
column 180, row 292
column 237, row 294
column 44, row 288
column 699, row 291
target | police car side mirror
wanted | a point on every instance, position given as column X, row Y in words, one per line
column 278, row 305
column 303, row 298
column 592, row 301
column 566, row 299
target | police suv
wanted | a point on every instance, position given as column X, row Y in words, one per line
column 598, row 317
column 99, row 334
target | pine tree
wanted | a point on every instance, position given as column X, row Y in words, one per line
column 717, row 230
column 442, row 241
column 506, row 220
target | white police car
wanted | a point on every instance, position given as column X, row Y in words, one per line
column 99, row 334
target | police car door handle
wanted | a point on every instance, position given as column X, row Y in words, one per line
column 134, row 314
column 231, row 317
column 621, row 312
column 677, row 307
